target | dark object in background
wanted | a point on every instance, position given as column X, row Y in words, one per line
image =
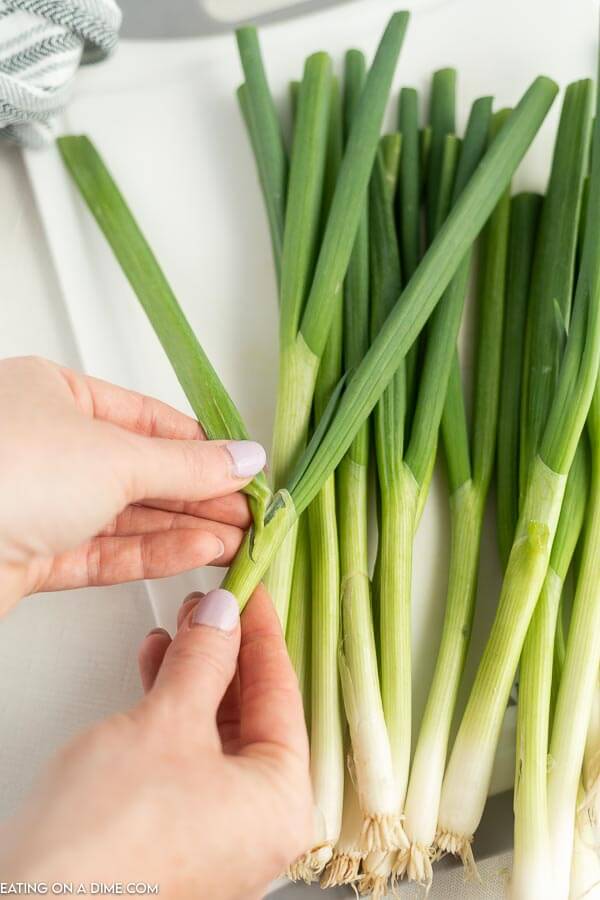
column 188, row 18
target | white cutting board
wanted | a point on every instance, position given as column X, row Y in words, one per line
column 164, row 116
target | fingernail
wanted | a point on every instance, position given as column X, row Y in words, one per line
column 220, row 549
column 157, row 631
column 248, row 458
column 218, row 609
column 195, row 595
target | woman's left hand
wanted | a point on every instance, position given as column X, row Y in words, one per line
column 101, row 485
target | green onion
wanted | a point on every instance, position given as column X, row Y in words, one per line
column 408, row 195
column 208, row 398
column 442, row 121
column 262, row 122
column 344, row 865
column 524, row 217
column 364, row 386
column 298, row 636
column 585, row 866
column 579, row 681
column 358, row 657
column 532, row 862
column 473, row 752
column 388, row 424
column 548, row 318
column 300, row 352
column 302, row 227
column 469, row 483
column 554, row 267
column 409, row 209
column 326, row 737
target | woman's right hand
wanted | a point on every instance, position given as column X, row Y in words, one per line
column 203, row 788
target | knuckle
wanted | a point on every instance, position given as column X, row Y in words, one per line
column 207, row 656
column 146, row 418
column 93, row 563
column 193, row 453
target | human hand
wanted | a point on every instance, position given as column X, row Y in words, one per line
column 202, row 788
column 101, row 485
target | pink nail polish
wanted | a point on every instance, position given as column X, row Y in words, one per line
column 218, row 609
column 248, row 458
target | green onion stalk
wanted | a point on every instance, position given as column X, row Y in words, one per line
column 298, row 638
column 344, row 865
column 579, row 681
column 370, row 748
column 524, row 219
column 262, row 123
column 591, row 758
column 585, row 864
column 308, row 305
column 404, row 473
column 408, row 213
column 325, row 718
column 532, row 862
column 388, row 419
column 548, row 319
column 298, row 634
column 470, row 463
column 301, row 234
column 467, row 778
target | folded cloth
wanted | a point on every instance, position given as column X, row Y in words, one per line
column 42, row 44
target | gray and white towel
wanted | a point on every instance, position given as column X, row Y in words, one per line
column 42, row 44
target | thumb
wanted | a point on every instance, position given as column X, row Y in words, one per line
column 190, row 470
column 201, row 661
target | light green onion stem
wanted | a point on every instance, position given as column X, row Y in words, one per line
column 405, row 321
column 532, row 863
column 585, row 866
column 473, row 752
column 298, row 635
column 548, row 320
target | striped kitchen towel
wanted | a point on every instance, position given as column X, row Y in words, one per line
column 42, row 44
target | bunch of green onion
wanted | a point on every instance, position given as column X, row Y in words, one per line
column 374, row 241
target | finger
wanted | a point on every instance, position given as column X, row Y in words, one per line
column 231, row 509
column 186, row 606
column 138, row 520
column 151, row 654
column 201, row 661
column 114, row 560
column 188, row 470
column 128, row 409
column 271, row 707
